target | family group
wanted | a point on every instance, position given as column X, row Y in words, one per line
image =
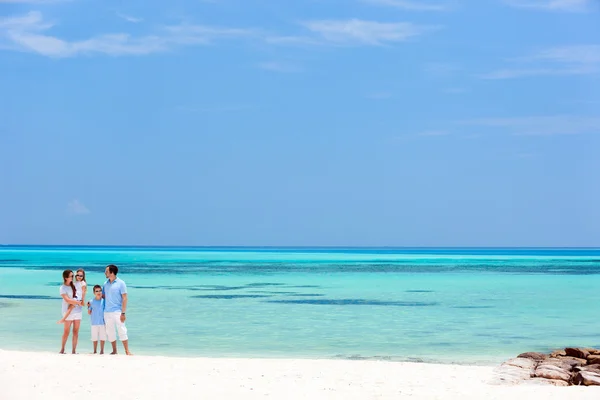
column 106, row 309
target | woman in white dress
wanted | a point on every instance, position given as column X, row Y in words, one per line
column 70, row 296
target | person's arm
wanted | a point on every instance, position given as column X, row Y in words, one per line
column 70, row 301
column 84, row 291
column 123, row 306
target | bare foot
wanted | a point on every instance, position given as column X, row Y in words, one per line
column 114, row 353
column 128, row 353
column 61, row 352
column 100, row 352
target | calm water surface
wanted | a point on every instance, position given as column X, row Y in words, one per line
column 465, row 305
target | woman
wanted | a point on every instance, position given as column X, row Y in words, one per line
column 68, row 292
column 81, row 288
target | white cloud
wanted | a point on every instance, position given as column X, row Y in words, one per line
column 552, row 5
column 541, row 125
column 411, row 5
column 31, row 1
column 361, row 32
column 29, row 33
column 128, row 18
column 565, row 60
column 278, row 66
column 75, row 207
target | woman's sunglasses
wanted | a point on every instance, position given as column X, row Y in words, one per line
column 79, row 276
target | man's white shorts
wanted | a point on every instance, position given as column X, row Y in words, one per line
column 112, row 320
column 98, row 333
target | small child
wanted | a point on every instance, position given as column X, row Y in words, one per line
column 96, row 310
column 81, row 286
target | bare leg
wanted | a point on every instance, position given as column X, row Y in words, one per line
column 126, row 346
column 114, row 346
column 75, row 338
column 62, row 320
column 95, row 346
column 65, row 336
column 101, row 347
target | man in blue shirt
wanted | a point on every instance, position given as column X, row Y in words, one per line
column 115, row 304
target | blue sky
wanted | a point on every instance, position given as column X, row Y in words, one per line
column 314, row 122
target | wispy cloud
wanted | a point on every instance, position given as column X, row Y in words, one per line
column 128, row 18
column 411, row 5
column 565, row 60
column 552, row 5
column 75, row 207
column 541, row 125
column 361, row 32
column 278, row 66
column 32, row 1
column 29, row 33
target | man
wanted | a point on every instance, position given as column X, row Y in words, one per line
column 115, row 305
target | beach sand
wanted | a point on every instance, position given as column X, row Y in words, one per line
column 28, row 375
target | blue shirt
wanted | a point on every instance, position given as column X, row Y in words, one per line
column 113, row 295
column 97, row 307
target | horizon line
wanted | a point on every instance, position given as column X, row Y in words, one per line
column 297, row 246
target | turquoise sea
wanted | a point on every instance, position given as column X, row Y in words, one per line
column 436, row 305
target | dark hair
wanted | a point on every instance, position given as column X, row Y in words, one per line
column 113, row 269
column 83, row 272
column 97, row 287
column 66, row 274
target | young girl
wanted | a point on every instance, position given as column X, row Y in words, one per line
column 81, row 287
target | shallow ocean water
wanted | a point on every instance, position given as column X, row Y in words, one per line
column 461, row 305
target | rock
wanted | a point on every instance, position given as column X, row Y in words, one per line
column 593, row 368
column 593, row 359
column 546, row 382
column 567, row 365
column 572, row 360
column 525, row 363
column 509, row 374
column 557, row 353
column 549, row 371
column 577, row 352
column 533, row 355
column 595, row 352
column 586, row 378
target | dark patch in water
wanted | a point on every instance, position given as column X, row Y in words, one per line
column 27, row 297
column 272, row 292
column 304, row 286
column 230, row 296
column 263, row 284
column 469, row 307
column 356, row 302
column 10, row 260
column 6, row 305
column 307, row 295
column 419, row 291
column 215, row 287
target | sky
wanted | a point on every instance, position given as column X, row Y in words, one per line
column 300, row 122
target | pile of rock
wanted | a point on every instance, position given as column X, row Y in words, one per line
column 571, row 366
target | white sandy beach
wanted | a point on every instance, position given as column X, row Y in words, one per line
column 28, row 375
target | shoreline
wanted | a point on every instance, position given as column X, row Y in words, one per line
column 33, row 375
